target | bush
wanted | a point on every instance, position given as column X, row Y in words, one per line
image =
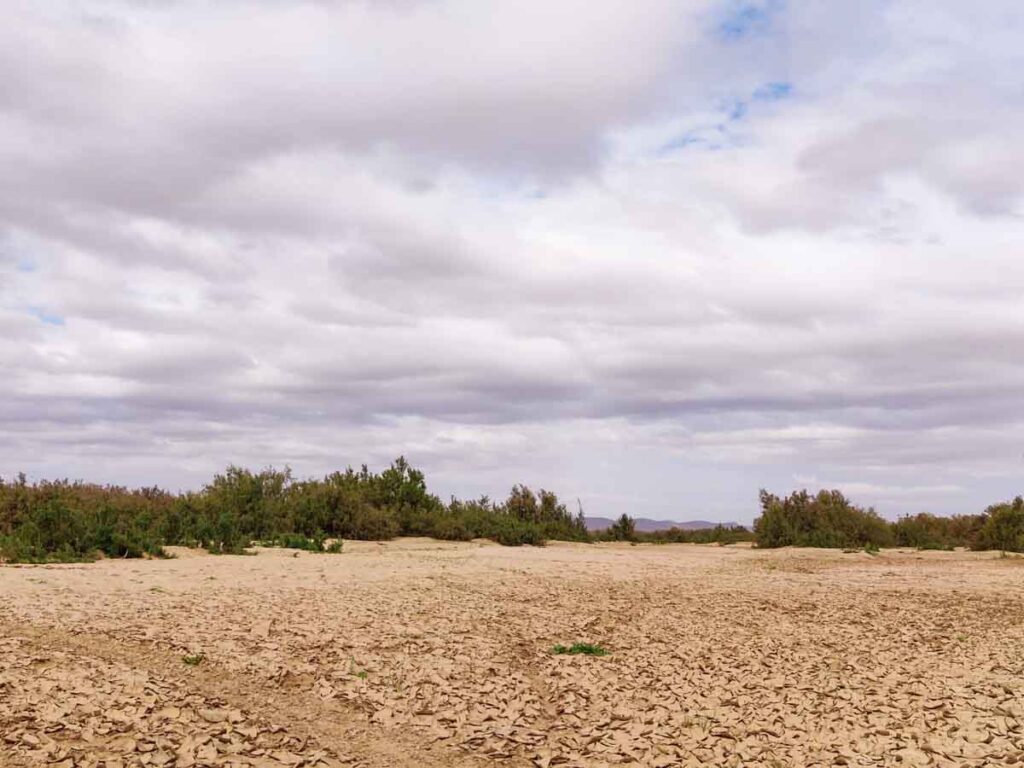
column 827, row 519
column 577, row 649
column 512, row 532
column 720, row 534
column 1003, row 527
column 64, row 521
column 450, row 528
column 551, row 518
column 373, row 524
column 623, row 529
column 925, row 531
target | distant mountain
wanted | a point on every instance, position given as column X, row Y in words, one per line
column 646, row 525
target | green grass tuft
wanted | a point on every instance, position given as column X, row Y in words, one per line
column 584, row 649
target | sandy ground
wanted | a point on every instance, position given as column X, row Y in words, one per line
column 432, row 654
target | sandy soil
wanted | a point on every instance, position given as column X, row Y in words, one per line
column 432, row 654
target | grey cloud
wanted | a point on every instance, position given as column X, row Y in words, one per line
column 150, row 111
column 312, row 233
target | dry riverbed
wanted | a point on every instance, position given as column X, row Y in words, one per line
column 428, row 654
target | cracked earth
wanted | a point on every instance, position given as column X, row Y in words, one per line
column 428, row 654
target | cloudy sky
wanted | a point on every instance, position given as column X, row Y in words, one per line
column 651, row 254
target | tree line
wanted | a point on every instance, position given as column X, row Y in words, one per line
column 70, row 521
column 829, row 519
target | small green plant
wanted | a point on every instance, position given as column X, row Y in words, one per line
column 193, row 659
column 355, row 670
column 585, row 649
column 871, row 549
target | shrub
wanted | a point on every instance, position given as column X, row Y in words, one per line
column 925, row 531
column 827, row 519
column 550, row 517
column 623, row 529
column 373, row 524
column 719, row 534
column 63, row 521
column 585, row 649
column 449, row 528
column 67, row 521
column 512, row 532
column 1003, row 527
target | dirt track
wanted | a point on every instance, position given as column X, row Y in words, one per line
column 431, row 654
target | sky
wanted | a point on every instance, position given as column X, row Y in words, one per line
column 650, row 255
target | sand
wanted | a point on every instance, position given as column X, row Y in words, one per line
column 422, row 653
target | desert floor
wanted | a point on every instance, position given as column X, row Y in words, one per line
column 422, row 653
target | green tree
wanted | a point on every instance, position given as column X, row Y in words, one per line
column 1003, row 527
column 623, row 529
column 826, row 519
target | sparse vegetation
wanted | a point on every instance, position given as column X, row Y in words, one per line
column 70, row 522
column 193, row 659
column 623, row 529
column 720, row 534
column 67, row 521
column 925, row 531
column 1003, row 527
column 828, row 519
column 64, row 521
column 576, row 649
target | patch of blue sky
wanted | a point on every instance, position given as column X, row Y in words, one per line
column 774, row 91
column 721, row 134
column 737, row 111
column 681, row 142
column 747, row 19
column 49, row 318
column 709, row 139
column 27, row 265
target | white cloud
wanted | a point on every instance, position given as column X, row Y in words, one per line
column 585, row 245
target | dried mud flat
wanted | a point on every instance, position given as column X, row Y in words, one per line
column 433, row 654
